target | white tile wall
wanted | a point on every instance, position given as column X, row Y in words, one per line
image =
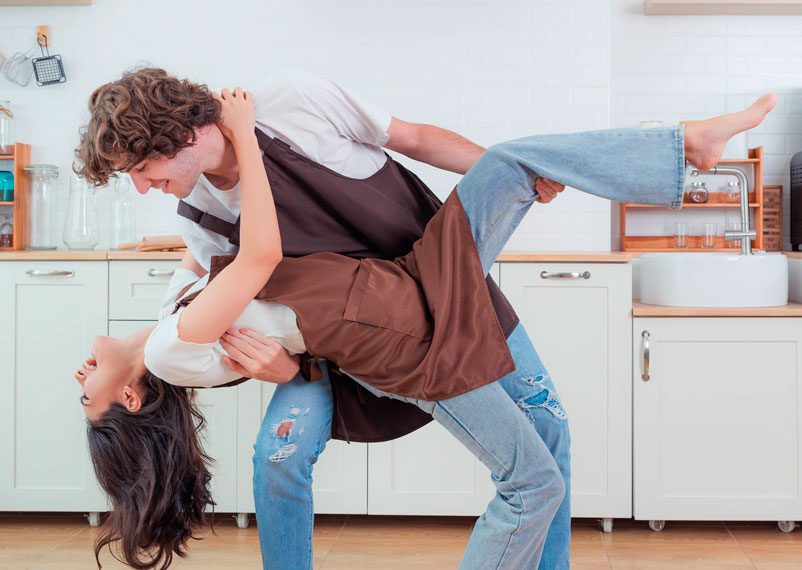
column 488, row 69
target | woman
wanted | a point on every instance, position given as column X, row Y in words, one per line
column 429, row 309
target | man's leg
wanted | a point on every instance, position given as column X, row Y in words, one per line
column 294, row 432
column 532, row 390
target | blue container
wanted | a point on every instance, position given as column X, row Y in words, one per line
column 6, row 186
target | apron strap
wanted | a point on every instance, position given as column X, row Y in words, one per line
column 206, row 220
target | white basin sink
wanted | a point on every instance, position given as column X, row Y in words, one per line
column 705, row 279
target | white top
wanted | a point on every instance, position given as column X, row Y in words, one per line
column 200, row 364
column 318, row 119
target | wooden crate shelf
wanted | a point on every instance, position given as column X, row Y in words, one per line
column 21, row 158
column 666, row 243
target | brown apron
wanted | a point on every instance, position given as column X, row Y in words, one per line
column 381, row 216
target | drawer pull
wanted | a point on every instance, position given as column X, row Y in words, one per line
column 49, row 273
column 645, row 375
column 161, row 272
column 573, row 275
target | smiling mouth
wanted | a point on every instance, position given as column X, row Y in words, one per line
column 90, row 364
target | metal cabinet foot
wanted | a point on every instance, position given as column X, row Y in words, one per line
column 786, row 526
column 657, row 526
column 607, row 525
column 94, row 519
column 242, row 520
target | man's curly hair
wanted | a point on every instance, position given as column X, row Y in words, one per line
column 144, row 114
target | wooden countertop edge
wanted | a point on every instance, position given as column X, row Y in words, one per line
column 88, row 255
column 591, row 257
column 643, row 310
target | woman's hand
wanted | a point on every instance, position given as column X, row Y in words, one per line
column 256, row 356
column 238, row 115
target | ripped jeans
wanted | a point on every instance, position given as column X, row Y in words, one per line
column 516, row 425
column 297, row 426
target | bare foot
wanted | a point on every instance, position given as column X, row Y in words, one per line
column 705, row 140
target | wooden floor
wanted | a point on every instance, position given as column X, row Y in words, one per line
column 64, row 542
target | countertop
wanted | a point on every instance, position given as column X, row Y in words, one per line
column 643, row 310
column 510, row 256
column 572, row 256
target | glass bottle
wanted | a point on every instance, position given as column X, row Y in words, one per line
column 43, row 197
column 123, row 220
column 698, row 192
column 81, row 228
column 7, row 132
column 732, row 193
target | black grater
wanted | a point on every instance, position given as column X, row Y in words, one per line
column 796, row 201
column 48, row 69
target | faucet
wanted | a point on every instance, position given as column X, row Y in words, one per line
column 745, row 234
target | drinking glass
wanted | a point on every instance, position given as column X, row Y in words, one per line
column 709, row 234
column 681, row 234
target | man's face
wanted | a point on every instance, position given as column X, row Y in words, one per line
column 176, row 176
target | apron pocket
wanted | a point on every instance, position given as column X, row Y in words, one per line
column 385, row 296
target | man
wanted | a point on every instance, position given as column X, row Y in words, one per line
column 312, row 131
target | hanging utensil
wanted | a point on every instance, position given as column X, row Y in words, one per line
column 48, row 68
column 18, row 69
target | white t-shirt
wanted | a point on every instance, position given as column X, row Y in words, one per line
column 318, row 119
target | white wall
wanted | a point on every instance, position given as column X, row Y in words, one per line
column 491, row 70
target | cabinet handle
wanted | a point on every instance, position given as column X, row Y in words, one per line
column 573, row 275
column 49, row 273
column 645, row 375
column 161, row 272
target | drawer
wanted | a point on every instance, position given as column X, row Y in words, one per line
column 136, row 288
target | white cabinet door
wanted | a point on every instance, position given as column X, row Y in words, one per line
column 136, row 288
column 581, row 330
column 219, row 407
column 48, row 320
column 427, row 472
column 717, row 425
column 340, row 475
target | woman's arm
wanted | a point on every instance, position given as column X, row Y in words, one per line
column 222, row 301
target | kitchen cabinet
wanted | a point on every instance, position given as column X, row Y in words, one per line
column 427, row 472
column 578, row 316
column 51, row 312
column 717, row 424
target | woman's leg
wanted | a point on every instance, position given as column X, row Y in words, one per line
column 643, row 166
column 295, row 429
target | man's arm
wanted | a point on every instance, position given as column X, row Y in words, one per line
column 439, row 147
column 448, row 150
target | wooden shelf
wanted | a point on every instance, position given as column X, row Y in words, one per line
column 21, row 158
column 666, row 243
column 722, row 7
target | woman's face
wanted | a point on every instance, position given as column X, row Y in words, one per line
column 110, row 374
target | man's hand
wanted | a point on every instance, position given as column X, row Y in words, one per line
column 547, row 189
column 255, row 356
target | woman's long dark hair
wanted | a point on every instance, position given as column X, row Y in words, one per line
column 155, row 472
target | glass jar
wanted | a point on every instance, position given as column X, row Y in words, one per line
column 732, row 193
column 698, row 192
column 7, row 132
column 123, row 221
column 81, row 228
column 43, row 198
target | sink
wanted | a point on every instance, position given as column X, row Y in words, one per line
column 703, row 279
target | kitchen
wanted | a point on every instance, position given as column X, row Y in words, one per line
column 644, row 453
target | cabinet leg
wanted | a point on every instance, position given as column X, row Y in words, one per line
column 607, row 525
column 657, row 526
column 242, row 520
column 94, row 519
column 786, row 526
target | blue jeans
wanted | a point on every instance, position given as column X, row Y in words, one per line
column 516, row 426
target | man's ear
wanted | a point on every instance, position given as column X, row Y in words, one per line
column 131, row 400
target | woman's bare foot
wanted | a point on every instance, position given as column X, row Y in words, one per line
column 705, row 140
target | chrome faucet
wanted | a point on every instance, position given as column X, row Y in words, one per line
column 745, row 234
